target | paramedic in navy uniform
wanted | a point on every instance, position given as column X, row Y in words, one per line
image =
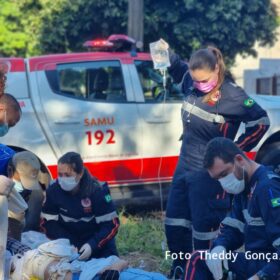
column 214, row 106
column 80, row 208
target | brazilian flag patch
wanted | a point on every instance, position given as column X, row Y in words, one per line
column 108, row 198
column 249, row 102
column 275, row 202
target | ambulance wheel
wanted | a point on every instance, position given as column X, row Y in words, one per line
column 271, row 155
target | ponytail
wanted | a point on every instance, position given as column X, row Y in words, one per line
column 221, row 75
column 88, row 184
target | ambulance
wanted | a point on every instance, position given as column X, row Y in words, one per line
column 110, row 106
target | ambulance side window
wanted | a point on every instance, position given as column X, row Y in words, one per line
column 91, row 81
column 152, row 84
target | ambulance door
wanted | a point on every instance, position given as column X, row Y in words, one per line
column 90, row 109
column 160, row 110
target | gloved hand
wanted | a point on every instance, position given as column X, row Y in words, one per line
column 6, row 185
column 85, row 252
column 163, row 45
column 215, row 264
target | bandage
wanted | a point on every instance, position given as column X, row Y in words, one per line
column 51, row 257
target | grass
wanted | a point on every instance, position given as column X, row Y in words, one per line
column 140, row 241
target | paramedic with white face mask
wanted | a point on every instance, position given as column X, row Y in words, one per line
column 254, row 221
column 80, row 208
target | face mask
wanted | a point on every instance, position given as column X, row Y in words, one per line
column 67, row 183
column 4, row 128
column 205, row 86
column 231, row 184
column 18, row 186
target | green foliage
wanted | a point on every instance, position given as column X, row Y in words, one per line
column 142, row 235
column 232, row 25
column 31, row 27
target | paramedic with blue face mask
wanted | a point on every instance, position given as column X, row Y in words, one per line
column 80, row 208
column 10, row 113
column 213, row 106
column 254, row 221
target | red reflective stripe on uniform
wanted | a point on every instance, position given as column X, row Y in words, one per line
column 41, row 226
column 225, row 129
column 252, row 136
column 111, row 234
column 193, row 263
column 260, row 134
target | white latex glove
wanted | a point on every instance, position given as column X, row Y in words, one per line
column 215, row 264
column 85, row 252
column 6, row 185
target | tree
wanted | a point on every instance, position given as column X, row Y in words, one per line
column 232, row 25
column 47, row 26
column 68, row 24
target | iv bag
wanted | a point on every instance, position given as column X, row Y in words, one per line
column 159, row 54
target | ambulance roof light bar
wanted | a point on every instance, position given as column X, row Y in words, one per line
column 114, row 43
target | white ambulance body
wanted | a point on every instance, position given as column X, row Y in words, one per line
column 109, row 107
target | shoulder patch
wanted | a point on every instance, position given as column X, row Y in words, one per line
column 275, row 202
column 108, row 198
column 249, row 102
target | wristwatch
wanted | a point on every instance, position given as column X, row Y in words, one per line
column 263, row 276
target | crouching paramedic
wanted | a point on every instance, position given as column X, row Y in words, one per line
column 253, row 222
column 23, row 168
column 78, row 207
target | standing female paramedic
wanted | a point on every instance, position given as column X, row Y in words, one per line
column 214, row 106
column 78, row 207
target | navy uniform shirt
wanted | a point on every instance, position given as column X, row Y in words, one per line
column 203, row 121
column 6, row 154
column 82, row 220
column 255, row 219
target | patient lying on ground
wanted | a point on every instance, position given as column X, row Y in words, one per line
column 57, row 259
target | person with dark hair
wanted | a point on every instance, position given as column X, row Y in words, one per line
column 80, row 208
column 253, row 222
column 213, row 106
column 10, row 113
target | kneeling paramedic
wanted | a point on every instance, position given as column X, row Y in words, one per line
column 253, row 222
column 23, row 168
column 78, row 207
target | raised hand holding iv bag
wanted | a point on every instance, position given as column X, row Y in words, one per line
column 159, row 54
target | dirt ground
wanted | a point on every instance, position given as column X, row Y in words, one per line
column 142, row 260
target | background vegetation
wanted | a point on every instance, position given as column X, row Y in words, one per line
column 141, row 241
column 34, row 27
